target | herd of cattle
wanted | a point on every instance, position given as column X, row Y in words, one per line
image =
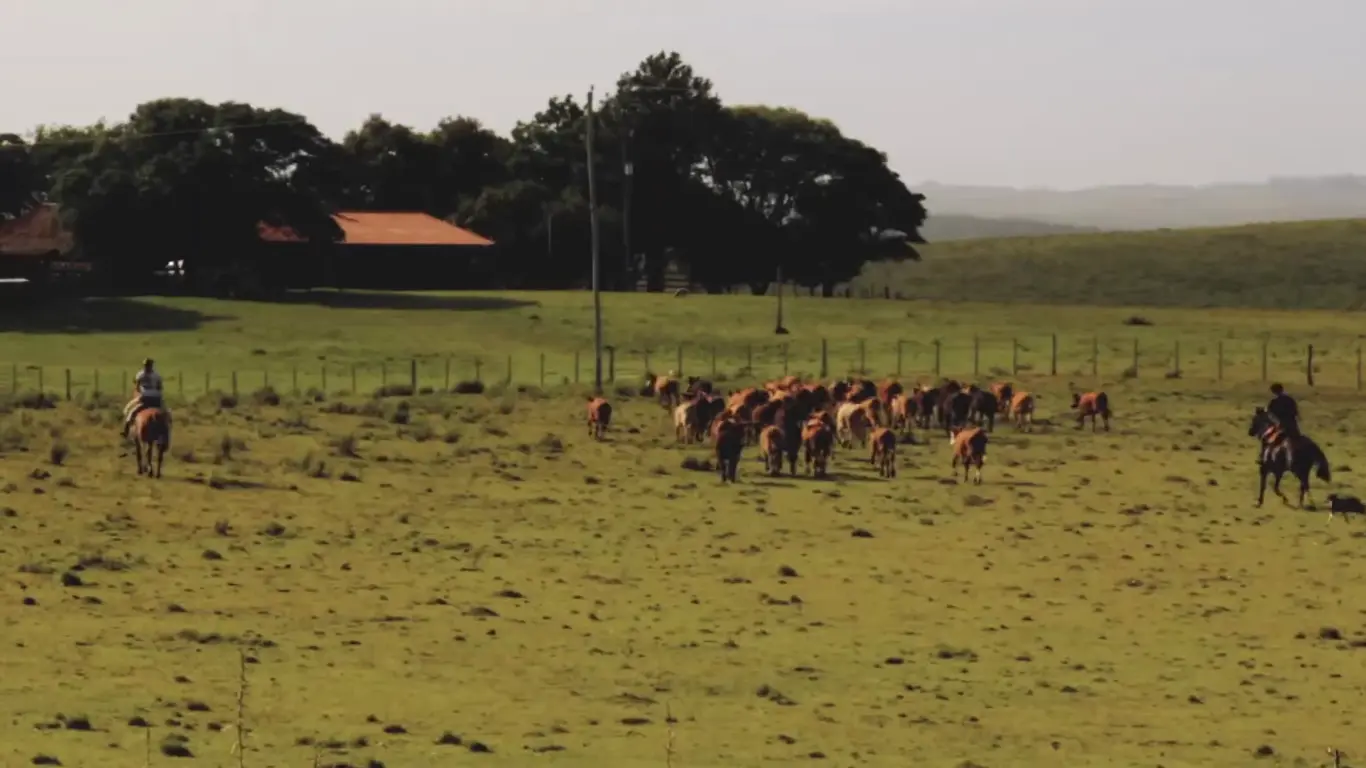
column 788, row 417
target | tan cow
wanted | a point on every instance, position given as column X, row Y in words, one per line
column 1092, row 404
column 969, row 447
column 1022, row 410
column 772, row 442
column 851, row 423
column 884, row 451
column 817, row 439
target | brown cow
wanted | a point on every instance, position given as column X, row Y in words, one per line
column 1022, row 410
column 902, row 411
column 665, row 388
column 765, row 415
column 1003, row 392
column 1092, row 404
column 970, row 447
column 818, row 437
column 697, row 386
column 887, row 391
column 772, row 445
column 599, row 417
column 730, row 441
column 706, row 409
column 925, row 400
column 884, row 451
column 685, row 422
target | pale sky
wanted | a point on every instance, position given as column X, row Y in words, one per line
column 1061, row 93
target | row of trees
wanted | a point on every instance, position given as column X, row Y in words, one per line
column 733, row 193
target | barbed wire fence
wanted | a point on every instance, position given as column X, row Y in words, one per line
column 1086, row 359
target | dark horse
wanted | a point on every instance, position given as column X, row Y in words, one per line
column 151, row 429
column 1298, row 459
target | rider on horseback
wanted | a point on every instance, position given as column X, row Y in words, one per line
column 1285, row 415
column 146, row 394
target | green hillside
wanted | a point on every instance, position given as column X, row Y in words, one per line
column 949, row 226
column 1295, row 265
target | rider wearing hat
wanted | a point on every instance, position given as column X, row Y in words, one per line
column 1285, row 414
column 147, row 393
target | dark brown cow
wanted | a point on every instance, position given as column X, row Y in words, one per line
column 1092, row 404
column 983, row 407
column 665, row 388
column 730, row 442
column 1004, row 393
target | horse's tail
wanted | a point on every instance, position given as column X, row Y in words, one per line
column 1321, row 467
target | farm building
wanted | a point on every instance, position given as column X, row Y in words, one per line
column 379, row 250
column 34, row 245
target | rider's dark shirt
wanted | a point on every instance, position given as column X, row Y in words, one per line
column 1285, row 411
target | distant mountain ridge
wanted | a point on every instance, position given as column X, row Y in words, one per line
column 943, row 227
column 1155, row 206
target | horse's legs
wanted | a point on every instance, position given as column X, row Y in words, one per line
column 1276, row 486
column 161, row 456
column 1261, row 490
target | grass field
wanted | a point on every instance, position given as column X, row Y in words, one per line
column 1295, row 265
column 406, row 573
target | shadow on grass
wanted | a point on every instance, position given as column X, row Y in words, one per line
column 100, row 316
column 394, row 300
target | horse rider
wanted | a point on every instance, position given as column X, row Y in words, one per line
column 1285, row 415
column 147, row 393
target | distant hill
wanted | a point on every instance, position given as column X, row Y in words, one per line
column 1296, row 265
column 941, row 227
column 1157, row 206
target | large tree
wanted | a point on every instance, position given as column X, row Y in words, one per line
column 20, row 178
column 184, row 179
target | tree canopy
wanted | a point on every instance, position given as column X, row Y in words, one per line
column 732, row 194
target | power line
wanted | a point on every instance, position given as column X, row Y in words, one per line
column 117, row 136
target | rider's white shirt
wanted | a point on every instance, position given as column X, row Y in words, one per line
column 148, row 383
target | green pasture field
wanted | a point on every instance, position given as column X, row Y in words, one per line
column 410, row 575
column 357, row 342
column 1282, row 265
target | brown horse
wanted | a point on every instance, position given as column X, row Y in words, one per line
column 151, row 428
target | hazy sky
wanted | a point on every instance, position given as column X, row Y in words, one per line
column 1023, row 92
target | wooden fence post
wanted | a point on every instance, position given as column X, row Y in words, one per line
column 1358, row 367
column 384, row 373
column 68, row 383
column 976, row 355
column 412, row 374
column 938, row 352
column 542, row 370
column 323, row 376
column 1095, row 356
column 898, row 357
column 294, row 379
column 1014, row 357
column 208, row 382
column 612, row 364
column 13, row 378
column 508, row 379
column 179, row 382
column 353, row 379
column 265, row 378
column 97, row 376
column 784, row 358
column 749, row 360
column 1309, row 366
column 1220, row 352
column 1053, row 366
column 647, row 362
column 713, row 361
column 478, row 370
column 1176, row 358
column 679, row 370
column 234, row 383
column 40, row 379
column 1264, row 344
column 576, row 366
column 862, row 357
column 1135, row 363
column 825, row 359
column 448, row 373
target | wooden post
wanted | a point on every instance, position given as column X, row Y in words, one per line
column 179, row 382
column 294, row 379
column 384, row 373
column 1309, row 366
column 749, row 360
column 1053, row 366
column 448, row 374
column 353, row 379
column 862, row 357
column 1135, row 363
column 976, row 355
column 97, row 376
column 1014, row 357
column 825, row 359
column 265, row 378
column 13, row 378
column 576, row 366
column 1220, row 361
column 1176, row 358
column 898, row 357
column 1358, row 367
column 508, row 378
column 612, row 364
column 478, row 370
column 1264, row 344
column 323, row 376
column 208, row 382
column 713, row 361
column 647, row 362
column 542, row 370
column 234, row 383
column 68, row 383
column 40, row 379
column 784, row 358
column 1095, row 356
column 412, row 374
column 679, row 370
column 938, row 351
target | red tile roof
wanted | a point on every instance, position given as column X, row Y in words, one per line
column 387, row 228
column 37, row 232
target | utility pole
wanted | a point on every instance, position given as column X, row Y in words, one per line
column 628, row 171
column 593, row 229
